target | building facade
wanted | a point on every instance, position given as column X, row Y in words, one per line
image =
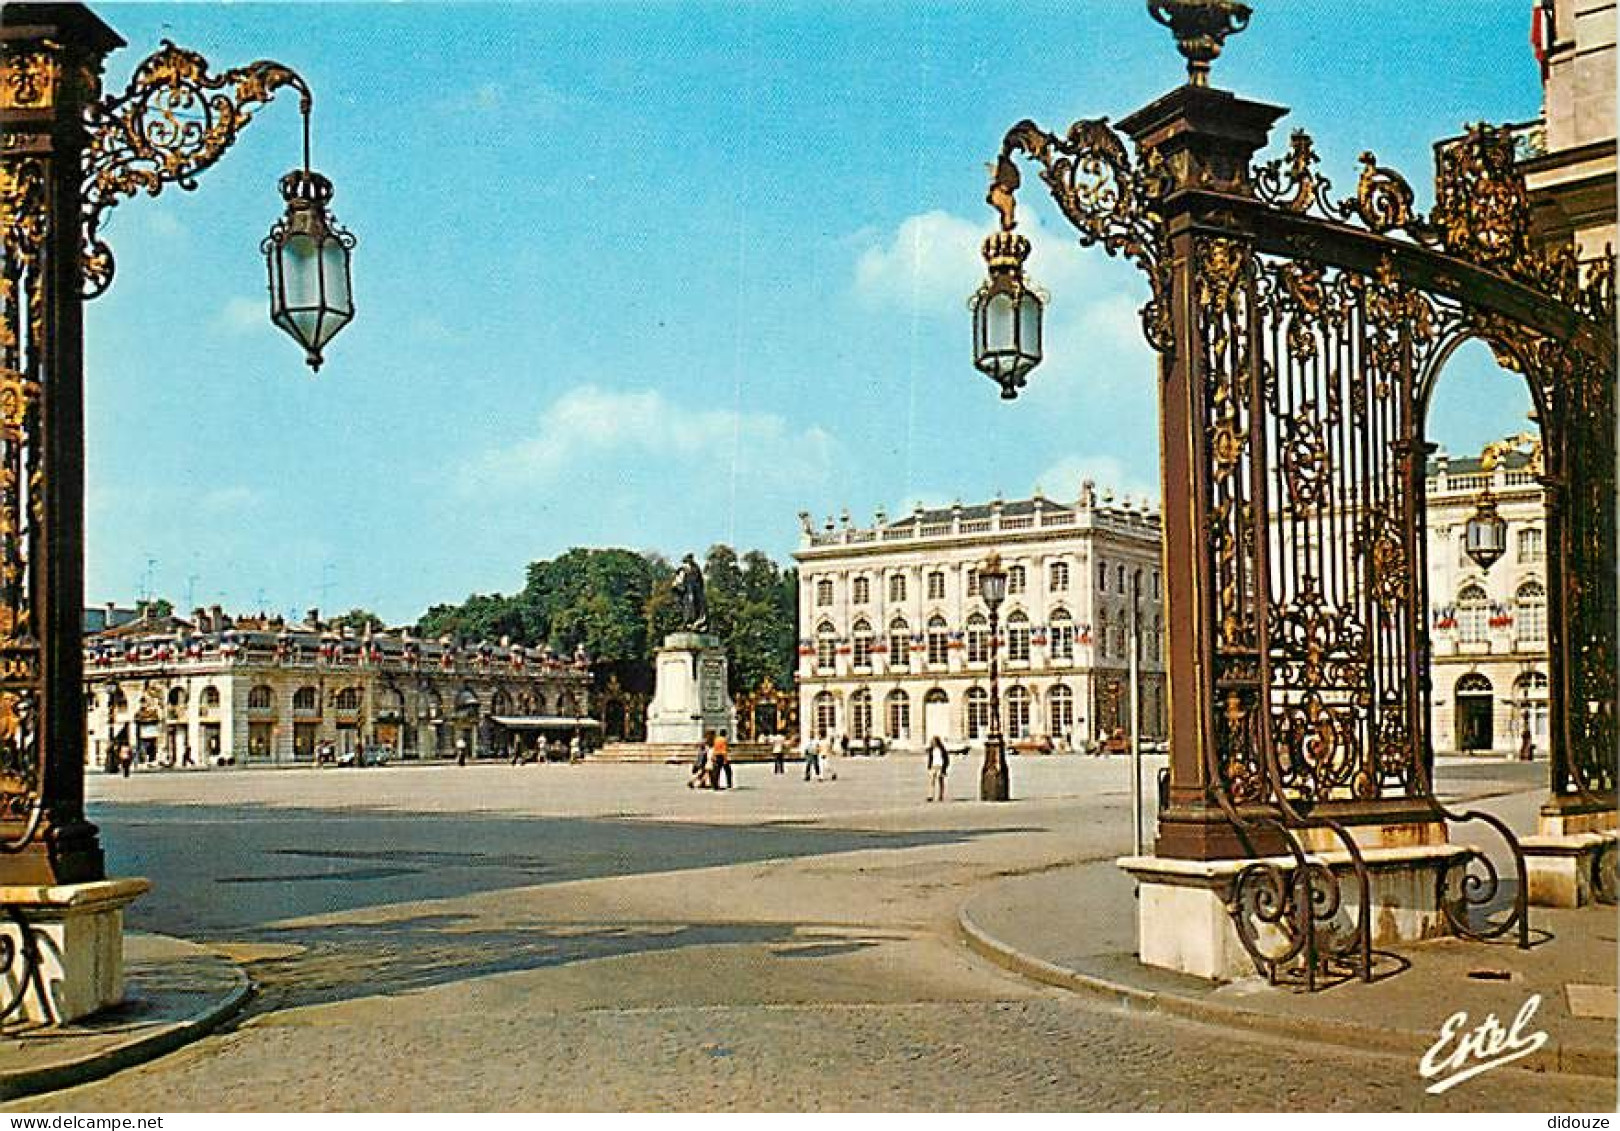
column 1488, row 630
column 1569, row 156
column 258, row 691
column 894, row 636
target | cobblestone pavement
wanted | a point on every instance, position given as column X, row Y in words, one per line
column 783, row 947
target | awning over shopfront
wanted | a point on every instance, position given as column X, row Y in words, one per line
column 543, row 722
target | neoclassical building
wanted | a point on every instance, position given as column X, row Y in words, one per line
column 894, row 637
column 260, row 691
column 1488, row 671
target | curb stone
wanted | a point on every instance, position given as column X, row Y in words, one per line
column 50, row 1078
column 1565, row 1059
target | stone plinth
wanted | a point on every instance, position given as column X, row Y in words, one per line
column 79, row 930
column 1572, row 859
column 690, row 696
column 1183, row 922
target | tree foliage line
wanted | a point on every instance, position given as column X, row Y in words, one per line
column 619, row 606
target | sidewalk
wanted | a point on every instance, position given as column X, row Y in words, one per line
column 1075, row 926
column 174, row 993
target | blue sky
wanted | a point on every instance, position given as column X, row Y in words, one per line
column 660, row 275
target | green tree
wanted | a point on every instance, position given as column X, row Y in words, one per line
column 153, row 608
column 359, row 620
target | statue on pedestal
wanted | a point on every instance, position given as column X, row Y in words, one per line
column 688, row 587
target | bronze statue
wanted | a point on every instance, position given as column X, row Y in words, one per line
column 688, row 587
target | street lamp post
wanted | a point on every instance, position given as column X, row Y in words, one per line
column 993, row 775
column 1485, row 532
column 67, row 156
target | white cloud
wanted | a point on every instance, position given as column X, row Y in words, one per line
column 593, row 428
column 931, row 263
column 1061, row 481
column 242, row 315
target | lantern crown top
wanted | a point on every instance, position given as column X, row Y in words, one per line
column 1005, row 251
column 305, row 186
column 1200, row 28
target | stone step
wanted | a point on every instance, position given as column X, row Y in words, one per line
column 678, row 753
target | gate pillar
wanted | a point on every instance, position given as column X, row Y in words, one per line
column 1206, row 140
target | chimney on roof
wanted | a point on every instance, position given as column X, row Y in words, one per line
column 1088, row 493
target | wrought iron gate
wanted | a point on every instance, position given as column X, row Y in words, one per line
column 1300, row 334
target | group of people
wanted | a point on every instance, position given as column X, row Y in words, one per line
column 712, row 765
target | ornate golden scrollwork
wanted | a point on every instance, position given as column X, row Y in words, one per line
column 173, row 122
column 1291, row 182
column 1111, row 200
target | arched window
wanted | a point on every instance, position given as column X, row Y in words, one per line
column 1018, row 712
column 348, row 699
column 1018, row 638
column 1530, row 703
column 973, row 582
column 1062, row 636
column 978, row 639
column 899, row 644
column 1119, row 576
column 1057, row 580
column 939, row 642
column 863, row 590
column 936, row 585
column 825, row 714
column 1473, row 616
column 826, row 647
column 897, row 588
column 305, row 699
column 1531, row 608
column 1102, row 577
column 860, row 714
column 261, row 698
column 824, row 593
column 178, row 698
column 1060, row 709
column 978, row 712
column 1473, row 684
column 1017, row 580
column 209, row 699
column 500, row 704
column 897, row 716
column 862, row 656
column 568, row 705
column 1156, row 649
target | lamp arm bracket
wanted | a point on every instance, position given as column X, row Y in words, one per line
column 173, row 121
column 1110, row 198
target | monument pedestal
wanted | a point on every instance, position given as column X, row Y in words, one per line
column 690, row 696
column 78, row 931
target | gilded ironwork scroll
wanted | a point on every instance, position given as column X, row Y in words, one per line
column 172, row 123
column 25, row 223
column 1110, row 199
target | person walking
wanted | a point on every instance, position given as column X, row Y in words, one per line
column 461, row 751
column 939, row 764
column 778, row 753
column 1527, row 747
column 700, row 765
column 720, row 761
column 812, row 758
column 824, row 764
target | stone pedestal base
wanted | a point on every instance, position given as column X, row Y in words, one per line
column 79, row 932
column 1183, row 922
column 690, row 697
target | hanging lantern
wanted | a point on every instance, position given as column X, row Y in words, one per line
column 993, row 582
column 307, row 254
column 1485, row 534
column 1006, row 316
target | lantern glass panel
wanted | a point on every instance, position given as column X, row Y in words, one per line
column 1029, row 328
column 1001, row 331
column 993, row 586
